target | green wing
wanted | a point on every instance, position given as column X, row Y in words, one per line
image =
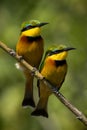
column 40, row 68
column 43, row 61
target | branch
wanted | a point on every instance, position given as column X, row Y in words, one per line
column 79, row 115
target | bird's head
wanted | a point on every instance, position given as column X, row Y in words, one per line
column 32, row 28
column 55, row 53
column 58, row 53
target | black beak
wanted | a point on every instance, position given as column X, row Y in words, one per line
column 42, row 24
column 62, row 50
column 68, row 49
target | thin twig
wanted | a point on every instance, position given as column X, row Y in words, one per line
column 79, row 115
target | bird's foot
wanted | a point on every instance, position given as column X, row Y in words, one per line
column 33, row 71
column 55, row 90
column 12, row 52
column 20, row 58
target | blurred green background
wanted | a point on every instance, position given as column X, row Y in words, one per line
column 68, row 26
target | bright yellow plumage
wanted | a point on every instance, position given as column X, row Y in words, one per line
column 31, row 51
column 54, row 70
column 32, row 32
column 53, row 73
column 30, row 46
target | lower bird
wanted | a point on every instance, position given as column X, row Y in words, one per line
column 54, row 70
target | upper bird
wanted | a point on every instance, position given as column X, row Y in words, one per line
column 31, row 47
column 54, row 70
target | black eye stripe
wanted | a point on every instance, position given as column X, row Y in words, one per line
column 55, row 52
column 27, row 27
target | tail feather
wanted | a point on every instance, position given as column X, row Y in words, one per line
column 41, row 109
column 40, row 112
column 28, row 102
column 28, row 96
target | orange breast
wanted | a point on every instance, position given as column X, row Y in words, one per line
column 55, row 75
column 31, row 51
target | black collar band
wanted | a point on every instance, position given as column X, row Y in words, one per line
column 60, row 62
column 33, row 38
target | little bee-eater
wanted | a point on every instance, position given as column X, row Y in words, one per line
column 30, row 46
column 54, row 70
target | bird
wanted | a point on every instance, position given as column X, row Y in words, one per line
column 54, row 69
column 30, row 47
